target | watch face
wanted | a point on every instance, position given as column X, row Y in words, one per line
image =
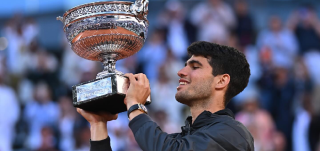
column 143, row 107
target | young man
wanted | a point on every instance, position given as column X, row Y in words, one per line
column 212, row 76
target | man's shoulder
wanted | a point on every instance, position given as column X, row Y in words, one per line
column 227, row 130
column 226, row 124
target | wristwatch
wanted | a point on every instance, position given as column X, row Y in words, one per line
column 138, row 106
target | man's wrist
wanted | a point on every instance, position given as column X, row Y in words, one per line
column 98, row 131
column 134, row 114
column 129, row 104
column 98, row 124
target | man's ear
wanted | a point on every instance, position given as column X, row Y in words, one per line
column 222, row 81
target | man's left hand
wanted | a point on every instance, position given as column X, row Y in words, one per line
column 138, row 89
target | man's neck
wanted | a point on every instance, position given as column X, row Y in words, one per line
column 198, row 109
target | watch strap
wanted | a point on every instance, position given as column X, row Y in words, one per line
column 139, row 106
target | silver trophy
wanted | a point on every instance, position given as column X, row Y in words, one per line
column 105, row 32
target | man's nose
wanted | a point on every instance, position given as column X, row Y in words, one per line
column 182, row 72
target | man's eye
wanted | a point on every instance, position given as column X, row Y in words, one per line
column 195, row 67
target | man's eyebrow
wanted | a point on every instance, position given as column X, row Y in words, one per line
column 193, row 62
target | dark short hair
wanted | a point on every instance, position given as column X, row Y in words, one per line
column 224, row 60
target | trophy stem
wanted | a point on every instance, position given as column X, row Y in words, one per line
column 109, row 65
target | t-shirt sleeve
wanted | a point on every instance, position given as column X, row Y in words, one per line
column 103, row 145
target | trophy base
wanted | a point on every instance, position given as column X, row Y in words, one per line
column 103, row 94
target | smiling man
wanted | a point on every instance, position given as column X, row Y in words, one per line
column 212, row 76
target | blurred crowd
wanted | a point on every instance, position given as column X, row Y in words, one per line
column 280, row 106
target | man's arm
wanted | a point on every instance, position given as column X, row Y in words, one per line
column 139, row 84
column 148, row 134
column 221, row 137
column 100, row 140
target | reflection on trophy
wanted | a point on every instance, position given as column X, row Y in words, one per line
column 105, row 32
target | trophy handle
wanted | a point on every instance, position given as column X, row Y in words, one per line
column 140, row 9
column 60, row 18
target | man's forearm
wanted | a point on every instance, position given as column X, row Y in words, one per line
column 150, row 137
column 98, row 131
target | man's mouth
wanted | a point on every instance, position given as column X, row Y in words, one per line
column 182, row 82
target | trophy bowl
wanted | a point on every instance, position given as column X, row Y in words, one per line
column 105, row 32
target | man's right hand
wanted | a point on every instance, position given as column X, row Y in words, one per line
column 99, row 117
column 98, row 123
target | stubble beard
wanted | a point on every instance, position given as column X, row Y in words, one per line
column 196, row 95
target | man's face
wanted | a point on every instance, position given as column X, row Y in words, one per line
column 196, row 81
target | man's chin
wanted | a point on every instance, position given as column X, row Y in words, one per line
column 182, row 98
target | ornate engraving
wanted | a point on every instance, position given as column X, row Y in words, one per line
column 93, row 89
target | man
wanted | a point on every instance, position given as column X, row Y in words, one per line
column 212, row 76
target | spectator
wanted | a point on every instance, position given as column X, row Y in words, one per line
column 45, row 66
column 279, row 141
column 40, row 112
column 13, row 31
column 303, row 81
column 314, row 133
column 280, row 42
column 82, row 136
column 301, row 126
column 25, row 87
column 215, row 20
column 66, row 124
column 9, row 109
column 245, row 29
column 259, row 122
column 48, row 141
column 153, row 54
column 30, row 30
column 306, row 25
column 311, row 60
column 277, row 93
column 180, row 33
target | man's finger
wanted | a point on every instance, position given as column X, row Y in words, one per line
column 146, row 83
column 126, row 85
column 131, row 77
column 109, row 116
column 141, row 78
column 79, row 110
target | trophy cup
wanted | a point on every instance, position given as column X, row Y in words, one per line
column 105, row 32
